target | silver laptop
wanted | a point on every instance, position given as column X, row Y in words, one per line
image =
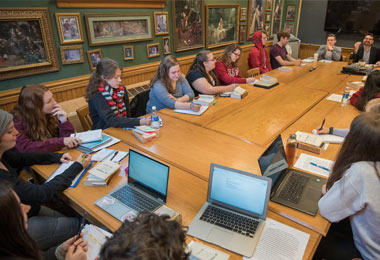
column 234, row 215
column 146, row 189
column 292, row 188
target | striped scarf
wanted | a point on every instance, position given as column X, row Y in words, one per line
column 114, row 99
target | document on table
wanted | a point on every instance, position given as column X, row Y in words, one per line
column 63, row 167
column 335, row 97
column 95, row 238
column 89, row 136
column 279, row 241
column 191, row 112
column 200, row 251
column 314, row 164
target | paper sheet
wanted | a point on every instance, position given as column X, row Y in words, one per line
column 95, row 238
column 314, row 164
column 89, row 136
column 326, row 61
column 200, row 251
column 308, row 60
column 335, row 97
column 280, row 242
column 63, row 167
column 191, row 112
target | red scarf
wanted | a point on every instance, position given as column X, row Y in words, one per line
column 115, row 99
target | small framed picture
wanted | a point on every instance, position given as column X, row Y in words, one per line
column 243, row 14
column 268, row 5
column 290, row 13
column 94, row 56
column 166, row 44
column 161, row 23
column 289, row 27
column 153, row 50
column 267, row 29
column 268, row 17
column 242, row 33
column 69, row 28
column 71, row 54
column 128, row 53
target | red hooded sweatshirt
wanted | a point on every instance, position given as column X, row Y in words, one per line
column 259, row 56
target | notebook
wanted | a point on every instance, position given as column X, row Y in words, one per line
column 146, row 189
column 292, row 188
column 234, row 215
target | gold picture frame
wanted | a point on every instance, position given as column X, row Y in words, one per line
column 70, row 29
column 128, row 52
column 38, row 54
column 71, row 54
column 94, row 56
column 153, row 50
column 161, row 23
column 243, row 14
column 166, row 45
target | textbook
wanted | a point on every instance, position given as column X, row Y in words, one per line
column 89, row 136
column 204, row 100
column 95, row 238
column 101, row 173
column 91, row 147
column 239, row 93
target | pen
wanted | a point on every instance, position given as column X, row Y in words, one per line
column 114, row 155
column 81, row 226
column 319, row 166
column 323, row 122
column 83, row 156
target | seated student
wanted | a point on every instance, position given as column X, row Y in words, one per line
column 108, row 100
column 201, row 76
column 42, row 123
column 149, row 236
column 259, row 56
column 330, row 51
column 15, row 243
column 278, row 53
column 226, row 66
column 351, row 195
column 170, row 89
column 46, row 226
column 366, row 52
column 370, row 91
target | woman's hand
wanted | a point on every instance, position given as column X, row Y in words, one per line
column 324, row 189
column 195, row 107
column 84, row 159
column 145, row 121
column 66, row 157
column 320, row 131
column 76, row 253
column 71, row 142
column 75, row 242
column 172, row 97
column 59, row 113
column 251, row 80
column 232, row 87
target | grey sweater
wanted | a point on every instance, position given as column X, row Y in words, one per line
column 335, row 54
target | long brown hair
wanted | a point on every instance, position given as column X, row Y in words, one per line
column 106, row 68
column 226, row 55
column 361, row 144
column 199, row 66
column 14, row 240
column 39, row 126
column 371, row 89
column 162, row 73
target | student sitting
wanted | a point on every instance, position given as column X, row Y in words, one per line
column 279, row 55
column 47, row 227
column 149, row 236
column 330, row 51
column 226, row 67
column 370, row 91
column 201, row 76
column 351, row 195
column 16, row 244
column 258, row 56
column 108, row 100
column 42, row 123
column 170, row 89
column 366, row 52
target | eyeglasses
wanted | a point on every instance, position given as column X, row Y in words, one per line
column 368, row 38
column 236, row 54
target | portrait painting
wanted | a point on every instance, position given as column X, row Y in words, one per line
column 290, row 12
column 188, row 24
column 243, row 14
column 222, row 25
column 128, row 53
column 276, row 15
column 289, row 27
column 69, row 27
column 267, row 29
column 255, row 16
column 71, row 54
column 153, row 50
column 242, row 33
column 268, row 5
column 94, row 56
column 166, row 44
column 161, row 23
column 268, row 17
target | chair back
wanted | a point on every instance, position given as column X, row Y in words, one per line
column 253, row 72
column 84, row 117
column 138, row 103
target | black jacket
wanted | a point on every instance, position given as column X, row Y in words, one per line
column 374, row 55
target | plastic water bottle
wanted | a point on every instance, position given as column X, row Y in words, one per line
column 155, row 119
column 345, row 96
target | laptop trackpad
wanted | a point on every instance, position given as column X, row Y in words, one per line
column 220, row 236
column 313, row 194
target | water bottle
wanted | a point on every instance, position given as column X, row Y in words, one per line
column 291, row 146
column 345, row 96
column 155, row 119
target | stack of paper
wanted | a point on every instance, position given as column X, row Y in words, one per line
column 89, row 136
column 200, row 251
column 308, row 60
column 101, row 173
column 204, row 100
column 91, row 147
column 317, row 140
column 114, row 155
column 314, row 164
column 95, row 238
column 191, row 112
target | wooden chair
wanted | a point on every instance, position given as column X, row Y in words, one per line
column 84, row 117
column 253, row 72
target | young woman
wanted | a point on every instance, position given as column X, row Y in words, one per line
column 353, row 190
column 47, row 227
column 202, row 78
column 42, row 123
column 370, row 91
column 108, row 100
column 15, row 242
column 170, row 89
column 226, row 68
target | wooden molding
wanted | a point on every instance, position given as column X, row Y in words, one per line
column 111, row 4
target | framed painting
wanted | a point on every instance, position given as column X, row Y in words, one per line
column 222, row 25
column 268, row 17
column 26, row 43
column 255, row 16
column 289, row 27
column 94, row 56
column 128, row 53
column 72, row 54
column 104, row 29
column 290, row 13
column 267, row 29
column 277, row 16
column 242, row 33
column 268, row 5
column 161, row 23
column 153, row 50
column 188, row 24
column 243, row 14
column 70, row 28
column 166, row 44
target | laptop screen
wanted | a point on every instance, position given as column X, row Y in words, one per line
column 148, row 173
column 240, row 191
column 273, row 161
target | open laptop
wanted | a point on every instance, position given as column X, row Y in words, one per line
column 146, row 189
column 234, row 215
column 292, row 188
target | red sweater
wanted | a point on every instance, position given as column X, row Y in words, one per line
column 357, row 94
column 229, row 75
column 254, row 60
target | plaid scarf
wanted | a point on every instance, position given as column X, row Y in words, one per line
column 114, row 99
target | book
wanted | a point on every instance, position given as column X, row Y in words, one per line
column 239, row 93
column 91, row 147
column 191, row 112
column 204, row 100
column 63, row 167
column 89, row 136
column 95, row 237
column 101, row 173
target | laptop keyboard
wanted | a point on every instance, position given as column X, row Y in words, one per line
column 293, row 188
column 135, row 199
column 230, row 221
